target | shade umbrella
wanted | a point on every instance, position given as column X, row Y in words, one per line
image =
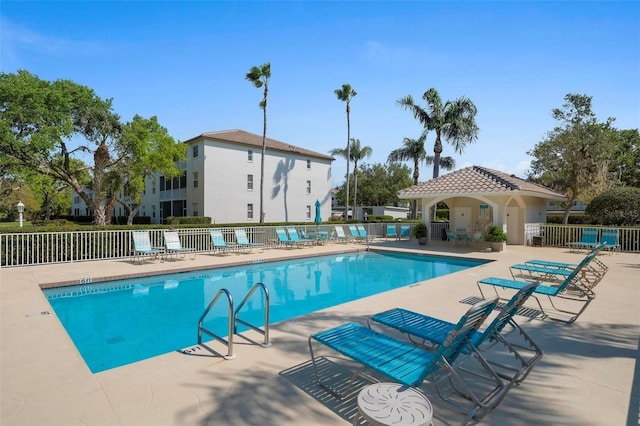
column 317, row 220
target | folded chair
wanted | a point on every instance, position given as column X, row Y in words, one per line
column 173, row 245
column 218, row 243
column 410, row 365
column 427, row 331
column 573, row 288
column 589, row 239
column 142, row 246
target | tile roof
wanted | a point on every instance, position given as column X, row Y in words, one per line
column 477, row 180
column 250, row 139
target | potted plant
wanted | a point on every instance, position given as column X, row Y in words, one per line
column 496, row 238
column 421, row 233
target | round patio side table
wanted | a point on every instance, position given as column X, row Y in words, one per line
column 387, row 404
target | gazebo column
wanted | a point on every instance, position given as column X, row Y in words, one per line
column 500, row 219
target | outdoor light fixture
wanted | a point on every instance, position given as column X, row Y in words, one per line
column 20, row 207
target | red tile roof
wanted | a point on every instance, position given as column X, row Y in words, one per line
column 477, row 180
column 250, row 139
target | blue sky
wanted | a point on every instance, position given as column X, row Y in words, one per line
column 185, row 62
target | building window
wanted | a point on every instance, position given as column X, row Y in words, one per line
column 249, row 211
column 308, row 164
column 250, row 155
column 249, row 182
column 195, row 179
column 308, row 212
column 308, row 187
column 195, row 209
column 195, row 151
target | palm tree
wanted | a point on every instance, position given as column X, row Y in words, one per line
column 345, row 94
column 356, row 153
column 412, row 149
column 455, row 121
column 260, row 76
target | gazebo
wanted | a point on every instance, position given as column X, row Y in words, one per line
column 478, row 197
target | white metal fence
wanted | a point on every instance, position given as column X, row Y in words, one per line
column 23, row 249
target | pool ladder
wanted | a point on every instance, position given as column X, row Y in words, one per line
column 233, row 320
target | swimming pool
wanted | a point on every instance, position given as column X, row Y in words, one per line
column 120, row 322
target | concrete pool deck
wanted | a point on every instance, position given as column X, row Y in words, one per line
column 589, row 374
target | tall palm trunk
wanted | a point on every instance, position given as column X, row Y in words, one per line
column 355, row 192
column 437, row 150
column 346, row 207
column 264, row 148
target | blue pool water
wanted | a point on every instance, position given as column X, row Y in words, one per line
column 120, row 322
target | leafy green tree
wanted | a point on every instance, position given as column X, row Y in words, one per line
column 40, row 119
column 617, row 206
column 357, row 153
column 379, row 183
column 147, row 149
column 454, row 121
column 625, row 164
column 259, row 77
column 346, row 94
column 574, row 157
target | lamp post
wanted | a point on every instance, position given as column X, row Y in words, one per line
column 20, row 207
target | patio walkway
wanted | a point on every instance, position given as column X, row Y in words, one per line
column 588, row 376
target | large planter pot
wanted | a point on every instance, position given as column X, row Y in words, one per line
column 498, row 246
column 422, row 241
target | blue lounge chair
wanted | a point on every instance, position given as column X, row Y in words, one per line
column 593, row 271
column 461, row 235
column 243, row 242
column 589, row 240
column 422, row 329
column 609, row 238
column 173, row 246
column 295, row 238
column 355, row 234
column 573, row 288
column 218, row 243
column 405, row 231
column 391, row 231
column 311, row 240
column 365, row 234
column 142, row 246
column 339, row 234
column 283, row 238
column 451, row 236
column 410, row 365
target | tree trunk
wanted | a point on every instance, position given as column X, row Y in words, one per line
column 346, row 203
column 437, row 150
column 100, row 161
column 264, row 148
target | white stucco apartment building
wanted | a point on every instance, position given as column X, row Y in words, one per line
column 222, row 181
